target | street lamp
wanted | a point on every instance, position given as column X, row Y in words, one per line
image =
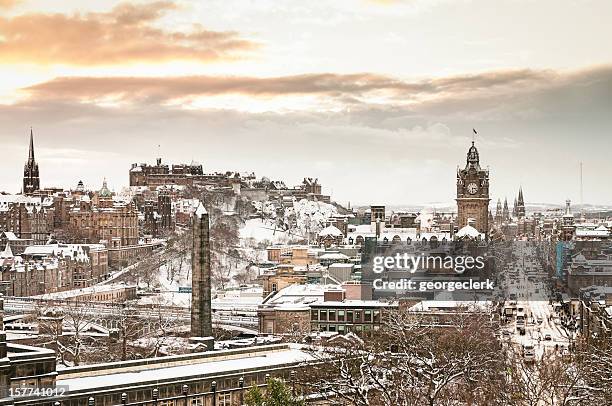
column 293, row 375
column 124, row 398
column 91, row 401
column 186, row 393
column 241, row 386
column 155, row 395
column 213, row 387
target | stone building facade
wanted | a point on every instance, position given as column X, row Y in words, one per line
column 473, row 193
column 105, row 219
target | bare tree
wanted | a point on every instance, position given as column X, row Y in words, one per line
column 412, row 361
column 66, row 328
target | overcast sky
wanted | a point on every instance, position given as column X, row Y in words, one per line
column 375, row 98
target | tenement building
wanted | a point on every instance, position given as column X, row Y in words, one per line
column 27, row 217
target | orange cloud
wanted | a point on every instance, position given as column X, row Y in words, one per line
column 6, row 4
column 125, row 34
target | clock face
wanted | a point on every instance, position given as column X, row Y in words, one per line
column 472, row 188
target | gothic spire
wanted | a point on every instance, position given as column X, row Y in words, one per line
column 31, row 153
column 31, row 178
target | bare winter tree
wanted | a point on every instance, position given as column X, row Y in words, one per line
column 66, row 329
column 161, row 328
column 549, row 381
column 593, row 360
column 412, row 361
column 130, row 328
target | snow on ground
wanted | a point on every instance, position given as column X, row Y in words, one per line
column 167, row 287
column 295, row 224
column 267, row 230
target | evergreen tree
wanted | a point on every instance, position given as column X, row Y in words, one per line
column 277, row 394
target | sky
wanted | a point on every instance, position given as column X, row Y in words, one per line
column 376, row 98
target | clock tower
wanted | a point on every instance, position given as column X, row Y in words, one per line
column 473, row 193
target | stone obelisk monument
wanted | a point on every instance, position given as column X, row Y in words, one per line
column 201, row 315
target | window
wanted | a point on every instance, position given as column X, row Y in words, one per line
column 225, row 399
column 332, row 315
column 340, row 315
column 367, row 316
column 323, row 315
column 376, row 316
column 314, row 315
column 349, row 316
column 269, row 327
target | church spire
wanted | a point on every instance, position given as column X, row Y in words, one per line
column 31, row 178
column 520, row 204
column 31, row 153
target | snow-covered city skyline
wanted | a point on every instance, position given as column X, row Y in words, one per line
column 377, row 99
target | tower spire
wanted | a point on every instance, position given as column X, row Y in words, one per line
column 31, row 153
column 31, row 178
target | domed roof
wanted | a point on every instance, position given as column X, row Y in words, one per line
column 105, row 192
column 580, row 258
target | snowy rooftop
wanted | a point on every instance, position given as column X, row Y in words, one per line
column 334, row 256
column 330, row 231
column 445, row 305
column 201, row 210
column 354, row 303
column 180, row 368
column 598, row 232
column 83, row 291
column 469, row 231
column 301, row 294
column 77, row 252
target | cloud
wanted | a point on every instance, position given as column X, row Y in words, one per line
column 6, row 4
column 347, row 89
column 126, row 34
